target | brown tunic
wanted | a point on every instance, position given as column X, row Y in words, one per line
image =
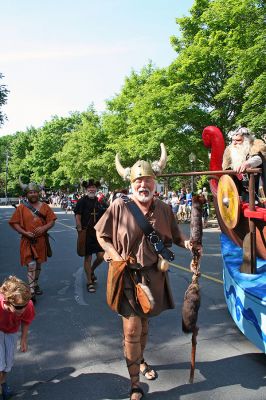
column 28, row 221
column 119, row 225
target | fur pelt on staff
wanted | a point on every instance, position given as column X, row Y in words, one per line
column 192, row 296
column 190, row 308
column 191, row 303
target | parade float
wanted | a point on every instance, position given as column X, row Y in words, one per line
column 243, row 244
column 243, row 241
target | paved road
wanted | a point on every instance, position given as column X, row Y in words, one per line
column 75, row 350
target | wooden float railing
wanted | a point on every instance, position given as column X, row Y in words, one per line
column 198, row 173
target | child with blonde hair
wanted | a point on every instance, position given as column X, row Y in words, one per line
column 16, row 310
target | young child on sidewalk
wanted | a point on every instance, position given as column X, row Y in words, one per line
column 16, row 309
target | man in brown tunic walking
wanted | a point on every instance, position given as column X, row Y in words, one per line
column 33, row 227
column 120, row 236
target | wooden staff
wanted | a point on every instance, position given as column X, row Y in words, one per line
column 191, row 303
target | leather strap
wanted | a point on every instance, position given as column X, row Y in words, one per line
column 153, row 236
column 33, row 209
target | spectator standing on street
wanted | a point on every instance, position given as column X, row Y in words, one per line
column 16, row 310
column 205, row 194
column 32, row 219
column 206, row 209
column 69, row 205
column 188, row 202
column 87, row 212
column 174, row 203
column 182, row 205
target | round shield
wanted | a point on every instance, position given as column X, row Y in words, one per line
column 228, row 201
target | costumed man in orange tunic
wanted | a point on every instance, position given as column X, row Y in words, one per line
column 32, row 219
column 121, row 237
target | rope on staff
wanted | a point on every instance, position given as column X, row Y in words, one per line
column 191, row 302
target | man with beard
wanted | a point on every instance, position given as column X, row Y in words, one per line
column 122, row 239
column 87, row 212
column 32, row 219
column 244, row 152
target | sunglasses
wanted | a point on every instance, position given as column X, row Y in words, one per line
column 19, row 307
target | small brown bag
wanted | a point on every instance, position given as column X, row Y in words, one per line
column 115, row 284
column 48, row 246
column 144, row 297
column 81, row 242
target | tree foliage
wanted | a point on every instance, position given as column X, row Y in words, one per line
column 3, row 99
column 217, row 78
column 221, row 61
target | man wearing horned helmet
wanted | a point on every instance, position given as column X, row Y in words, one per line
column 122, row 239
column 244, row 152
column 32, row 219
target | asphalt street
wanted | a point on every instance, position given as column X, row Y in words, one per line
column 75, row 342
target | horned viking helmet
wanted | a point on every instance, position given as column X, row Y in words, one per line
column 142, row 168
column 241, row 131
column 31, row 186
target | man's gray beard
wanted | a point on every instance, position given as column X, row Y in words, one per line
column 141, row 198
column 91, row 195
column 239, row 153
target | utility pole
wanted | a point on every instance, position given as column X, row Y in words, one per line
column 192, row 159
column 7, row 157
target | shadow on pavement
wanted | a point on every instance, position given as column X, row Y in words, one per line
column 216, row 374
column 103, row 386
column 90, row 386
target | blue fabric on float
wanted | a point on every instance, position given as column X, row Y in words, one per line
column 254, row 284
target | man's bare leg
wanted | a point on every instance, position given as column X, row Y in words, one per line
column 98, row 260
column 31, row 272
column 38, row 290
column 87, row 268
column 132, row 328
column 145, row 369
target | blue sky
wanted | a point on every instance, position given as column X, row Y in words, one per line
column 59, row 56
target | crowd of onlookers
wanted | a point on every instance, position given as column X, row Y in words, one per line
column 179, row 200
column 181, row 203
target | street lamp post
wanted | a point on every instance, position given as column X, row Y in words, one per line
column 192, row 159
column 7, row 157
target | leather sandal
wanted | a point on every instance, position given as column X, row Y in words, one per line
column 136, row 390
column 38, row 290
column 148, row 369
column 91, row 288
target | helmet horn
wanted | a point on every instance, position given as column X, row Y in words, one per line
column 163, row 159
column 123, row 172
column 158, row 166
column 42, row 185
column 22, row 185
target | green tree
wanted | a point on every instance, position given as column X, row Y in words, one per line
column 42, row 160
column 21, row 145
column 221, row 61
column 5, row 143
column 82, row 154
column 3, row 99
